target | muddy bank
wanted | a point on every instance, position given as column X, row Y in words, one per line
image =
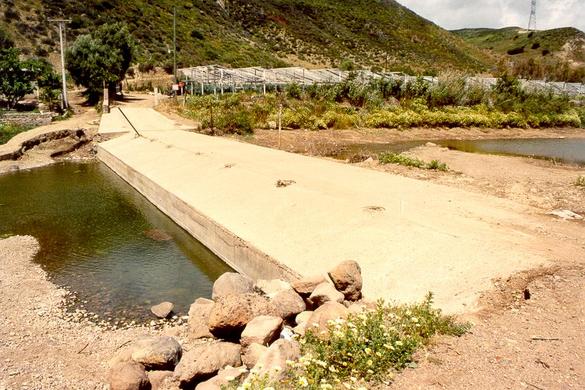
column 42, row 345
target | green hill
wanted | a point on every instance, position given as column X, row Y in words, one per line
column 517, row 43
column 373, row 33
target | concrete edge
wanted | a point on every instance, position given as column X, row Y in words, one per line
column 233, row 250
column 16, row 147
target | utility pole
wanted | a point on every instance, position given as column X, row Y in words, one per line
column 175, row 43
column 61, row 22
column 532, row 20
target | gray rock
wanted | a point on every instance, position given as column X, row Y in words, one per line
column 223, row 378
column 232, row 283
column 272, row 364
column 252, row 353
column 199, row 318
column 306, row 286
column 347, row 278
column 272, row 287
column 205, row 360
column 128, row 376
column 261, row 330
column 232, row 313
column 325, row 292
column 157, row 353
column 162, row 310
column 288, row 303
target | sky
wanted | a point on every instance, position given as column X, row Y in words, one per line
column 454, row 14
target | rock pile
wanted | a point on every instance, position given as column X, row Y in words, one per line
column 246, row 327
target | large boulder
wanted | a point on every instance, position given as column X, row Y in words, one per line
column 204, row 361
column 199, row 319
column 261, row 330
column 272, row 287
column 231, row 314
column 307, row 285
column 157, row 353
column 223, row 378
column 288, row 303
column 252, row 353
column 232, row 283
column 128, row 376
column 162, row 310
column 272, row 364
column 319, row 320
column 347, row 278
column 325, row 292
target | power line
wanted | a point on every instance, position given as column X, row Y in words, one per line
column 532, row 20
column 61, row 22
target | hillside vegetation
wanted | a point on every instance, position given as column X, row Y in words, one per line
column 556, row 54
column 374, row 33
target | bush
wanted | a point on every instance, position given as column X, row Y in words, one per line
column 401, row 159
column 7, row 131
column 580, row 181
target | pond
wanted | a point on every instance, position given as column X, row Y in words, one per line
column 100, row 238
column 566, row 150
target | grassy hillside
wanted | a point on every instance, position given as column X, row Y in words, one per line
column 379, row 33
column 514, row 42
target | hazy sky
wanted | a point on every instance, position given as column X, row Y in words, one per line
column 453, row 14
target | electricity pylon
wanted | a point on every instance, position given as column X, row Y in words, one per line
column 532, row 20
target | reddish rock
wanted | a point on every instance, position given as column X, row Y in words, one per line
column 157, row 353
column 325, row 292
column 232, row 313
column 205, row 360
column 162, row 310
column 288, row 303
column 319, row 321
column 199, row 319
column 232, row 283
column 306, row 286
column 347, row 278
column 128, row 376
column 261, row 330
column 252, row 353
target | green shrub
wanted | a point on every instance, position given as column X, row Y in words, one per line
column 580, row 181
column 7, row 131
column 401, row 159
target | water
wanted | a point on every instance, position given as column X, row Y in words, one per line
column 106, row 242
column 566, row 150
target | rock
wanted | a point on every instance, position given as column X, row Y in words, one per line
column 261, row 330
column 300, row 329
column 199, row 318
column 122, row 356
column 205, row 360
column 272, row 364
column 128, row 376
column 325, row 292
column 347, row 278
column 566, row 215
column 232, row 283
column 303, row 317
column 306, row 286
column 156, row 378
column 252, row 353
column 356, row 307
column 431, row 144
column 222, row 379
column 231, row 313
column 162, row 310
column 157, row 353
column 288, row 303
column 319, row 320
column 272, row 287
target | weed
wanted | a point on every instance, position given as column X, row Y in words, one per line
column 7, row 131
column 580, row 181
column 401, row 159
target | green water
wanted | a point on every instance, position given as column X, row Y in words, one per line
column 104, row 241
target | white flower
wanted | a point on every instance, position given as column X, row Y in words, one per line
column 303, row 382
column 367, row 351
column 369, row 362
column 332, row 368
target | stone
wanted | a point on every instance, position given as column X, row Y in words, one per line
column 157, row 353
column 272, row 287
column 199, row 318
column 222, row 379
column 272, row 364
column 162, row 310
column 303, row 317
column 288, row 303
column 128, row 376
column 356, row 307
column 261, row 330
column 347, row 278
column 252, row 353
column 231, row 283
column 205, row 360
column 230, row 314
column 319, row 320
column 306, row 286
column 156, row 378
column 325, row 292
column 300, row 329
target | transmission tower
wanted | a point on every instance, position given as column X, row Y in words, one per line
column 532, row 20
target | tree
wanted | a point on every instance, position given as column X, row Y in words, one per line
column 101, row 58
column 16, row 76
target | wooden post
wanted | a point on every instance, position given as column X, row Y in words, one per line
column 279, row 123
column 106, row 102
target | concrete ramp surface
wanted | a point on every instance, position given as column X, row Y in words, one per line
column 409, row 236
column 143, row 119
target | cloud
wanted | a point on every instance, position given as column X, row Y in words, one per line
column 454, row 14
